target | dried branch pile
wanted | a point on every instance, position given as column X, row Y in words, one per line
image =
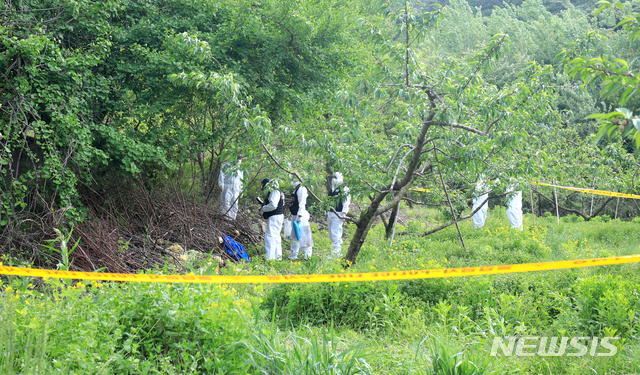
column 128, row 229
column 132, row 230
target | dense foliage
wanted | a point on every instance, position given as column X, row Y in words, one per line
column 86, row 88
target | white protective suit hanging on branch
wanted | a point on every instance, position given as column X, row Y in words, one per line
column 273, row 210
column 514, row 208
column 342, row 201
column 230, row 182
column 300, row 214
column 480, row 216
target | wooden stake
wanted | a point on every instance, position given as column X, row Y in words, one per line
column 453, row 213
column 616, row 216
column 533, row 212
column 592, row 196
column 555, row 194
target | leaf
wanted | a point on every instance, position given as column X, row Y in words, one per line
column 624, row 112
column 600, row 116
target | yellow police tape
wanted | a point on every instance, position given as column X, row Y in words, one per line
column 592, row 191
column 421, row 189
column 343, row 277
column 427, row 190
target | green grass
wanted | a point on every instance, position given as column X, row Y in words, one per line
column 435, row 326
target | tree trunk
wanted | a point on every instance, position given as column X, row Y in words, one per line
column 392, row 220
column 328, row 168
column 363, row 226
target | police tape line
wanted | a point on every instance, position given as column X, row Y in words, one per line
column 421, row 189
column 592, row 191
column 427, row 190
column 342, row 277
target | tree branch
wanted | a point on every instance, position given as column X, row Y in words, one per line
column 264, row 147
column 459, row 126
column 586, row 217
column 462, row 218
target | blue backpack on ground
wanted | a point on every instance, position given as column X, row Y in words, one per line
column 234, row 249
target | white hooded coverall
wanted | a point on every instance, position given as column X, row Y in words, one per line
column 333, row 221
column 230, row 181
column 306, row 240
column 514, row 209
column 272, row 239
column 480, row 216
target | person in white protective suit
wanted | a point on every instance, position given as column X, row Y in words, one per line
column 480, row 216
column 514, row 208
column 300, row 214
column 334, row 222
column 273, row 210
column 230, row 181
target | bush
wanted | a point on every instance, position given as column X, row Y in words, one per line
column 573, row 218
column 368, row 306
column 127, row 328
column 602, row 219
column 604, row 304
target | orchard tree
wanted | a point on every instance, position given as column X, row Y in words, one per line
column 416, row 119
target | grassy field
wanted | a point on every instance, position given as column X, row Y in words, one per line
column 436, row 326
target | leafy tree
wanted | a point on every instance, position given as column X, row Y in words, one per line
column 419, row 117
column 86, row 90
column 615, row 77
column 49, row 89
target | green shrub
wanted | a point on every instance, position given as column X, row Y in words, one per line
column 572, row 218
column 604, row 303
column 368, row 306
column 127, row 328
column 602, row 219
column 430, row 291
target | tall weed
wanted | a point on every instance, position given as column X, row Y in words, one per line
column 272, row 352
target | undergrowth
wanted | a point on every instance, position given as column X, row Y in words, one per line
column 431, row 326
